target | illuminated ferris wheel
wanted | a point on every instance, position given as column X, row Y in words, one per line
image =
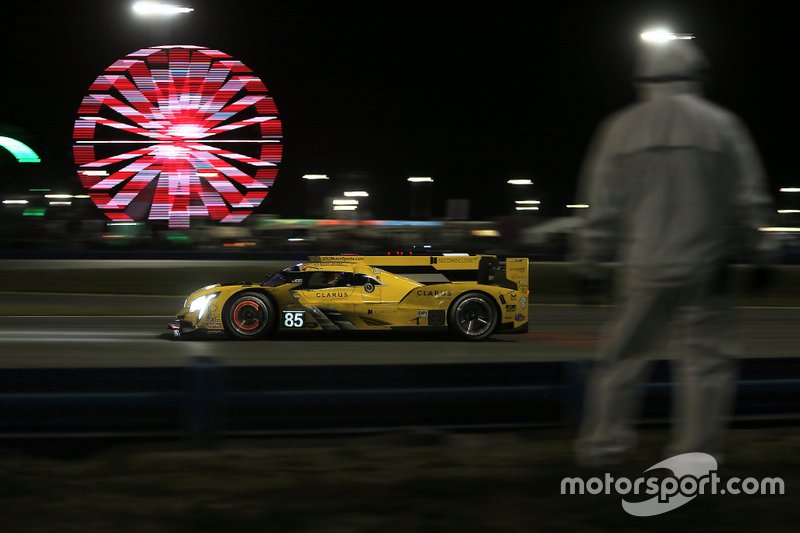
column 172, row 133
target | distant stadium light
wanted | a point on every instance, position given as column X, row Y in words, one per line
column 786, row 211
column 58, row 196
column 345, row 201
column 421, row 179
column 15, row 202
column 345, row 207
column 664, row 36
column 527, row 202
column 527, row 208
column 780, row 229
column 790, row 189
column 356, row 194
column 520, row 181
column 577, row 206
column 149, row 9
column 315, row 177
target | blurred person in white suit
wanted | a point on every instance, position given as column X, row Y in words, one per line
column 673, row 181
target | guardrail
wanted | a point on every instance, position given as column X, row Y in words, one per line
column 205, row 400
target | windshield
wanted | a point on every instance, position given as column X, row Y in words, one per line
column 275, row 279
column 287, row 275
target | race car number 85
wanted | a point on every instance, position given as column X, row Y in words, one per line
column 293, row 319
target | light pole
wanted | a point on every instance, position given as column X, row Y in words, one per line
column 315, row 194
column 793, row 209
column 522, row 187
column 421, row 197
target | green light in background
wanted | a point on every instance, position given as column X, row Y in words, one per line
column 34, row 212
column 38, row 190
column 20, row 150
column 178, row 237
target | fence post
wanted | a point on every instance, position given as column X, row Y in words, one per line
column 573, row 391
column 203, row 393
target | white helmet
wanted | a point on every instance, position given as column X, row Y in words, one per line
column 670, row 61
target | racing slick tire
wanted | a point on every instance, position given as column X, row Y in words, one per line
column 249, row 315
column 472, row 316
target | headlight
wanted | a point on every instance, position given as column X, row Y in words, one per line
column 201, row 304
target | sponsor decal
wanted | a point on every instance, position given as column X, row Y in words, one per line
column 337, row 294
column 511, row 308
column 456, row 260
column 523, row 302
column 434, row 293
column 515, row 266
column 512, row 295
column 422, row 312
column 340, row 259
column 297, row 280
column 519, row 317
column 376, row 270
column 382, row 311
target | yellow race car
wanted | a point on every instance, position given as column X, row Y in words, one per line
column 472, row 295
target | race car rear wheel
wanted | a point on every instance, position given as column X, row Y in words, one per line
column 472, row 316
column 249, row 315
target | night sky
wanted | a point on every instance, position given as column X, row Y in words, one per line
column 373, row 92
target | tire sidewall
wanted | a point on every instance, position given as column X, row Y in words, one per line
column 453, row 323
column 264, row 302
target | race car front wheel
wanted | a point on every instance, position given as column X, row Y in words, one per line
column 249, row 315
column 472, row 316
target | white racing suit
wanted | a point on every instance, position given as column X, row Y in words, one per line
column 672, row 181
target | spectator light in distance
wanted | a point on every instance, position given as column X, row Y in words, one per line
column 790, row 189
column 520, row 181
column 157, row 9
column 421, row 179
column 356, row 194
column 527, row 202
column 577, row 206
column 662, row 35
column 312, row 177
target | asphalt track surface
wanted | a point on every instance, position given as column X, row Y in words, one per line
column 556, row 333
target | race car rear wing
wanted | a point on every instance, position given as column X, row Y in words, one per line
column 442, row 268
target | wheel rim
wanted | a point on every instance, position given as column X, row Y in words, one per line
column 474, row 316
column 248, row 316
